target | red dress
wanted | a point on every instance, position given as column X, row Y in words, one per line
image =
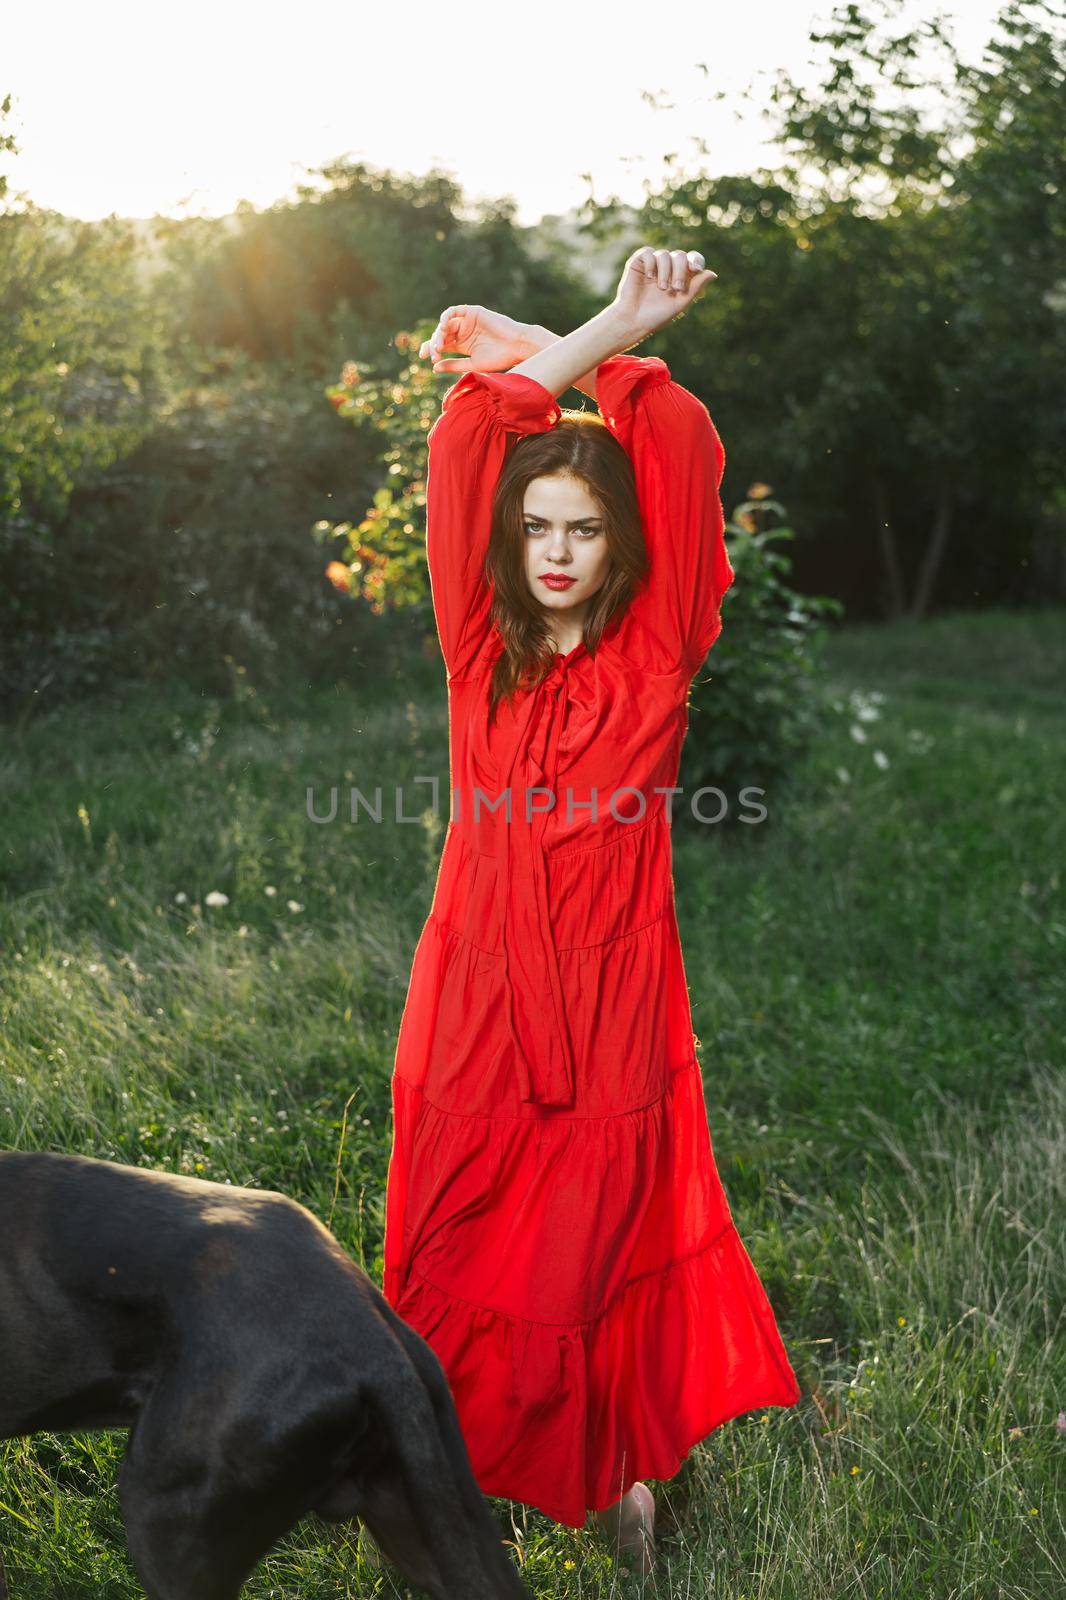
column 556, row 1228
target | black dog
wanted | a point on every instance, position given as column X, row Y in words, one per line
column 261, row 1374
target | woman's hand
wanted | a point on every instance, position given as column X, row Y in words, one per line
column 489, row 340
column 656, row 286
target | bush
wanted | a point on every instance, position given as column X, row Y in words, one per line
column 193, row 547
column 757, row 705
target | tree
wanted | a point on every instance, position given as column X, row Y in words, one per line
column 77, row 357
column 885, row 335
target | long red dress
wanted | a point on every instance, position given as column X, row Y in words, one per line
column 555, row 1226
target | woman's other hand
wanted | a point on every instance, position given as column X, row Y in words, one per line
column 656, row 286
column 489, row 341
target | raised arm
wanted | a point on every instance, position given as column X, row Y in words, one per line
column 678, row 460
column 466, row 446
column 656, row 287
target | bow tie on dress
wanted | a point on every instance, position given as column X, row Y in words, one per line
column 534, row 999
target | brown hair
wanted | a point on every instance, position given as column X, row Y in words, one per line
column 581, row 444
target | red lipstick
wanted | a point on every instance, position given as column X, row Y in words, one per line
column 557, row 580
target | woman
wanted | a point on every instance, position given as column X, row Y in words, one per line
column 555, row 1225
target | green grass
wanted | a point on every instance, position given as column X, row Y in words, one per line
column 878, row 981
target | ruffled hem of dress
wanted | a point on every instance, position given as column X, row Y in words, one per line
column 626, row 1396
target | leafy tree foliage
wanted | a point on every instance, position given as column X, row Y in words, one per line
column 887, row 327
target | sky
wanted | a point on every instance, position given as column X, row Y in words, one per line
column 136, row 109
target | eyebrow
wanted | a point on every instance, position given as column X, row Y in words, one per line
column 579, row 522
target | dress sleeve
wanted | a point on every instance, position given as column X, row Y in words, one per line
column 466, row 449
column 678, row 460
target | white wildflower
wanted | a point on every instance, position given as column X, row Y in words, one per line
column 864, row 706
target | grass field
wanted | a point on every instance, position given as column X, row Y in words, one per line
column 879, row 982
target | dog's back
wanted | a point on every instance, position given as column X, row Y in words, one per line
column 146, row 1252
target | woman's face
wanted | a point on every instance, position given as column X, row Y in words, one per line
column 564, row 536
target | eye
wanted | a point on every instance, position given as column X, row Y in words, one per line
column 586, row 531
